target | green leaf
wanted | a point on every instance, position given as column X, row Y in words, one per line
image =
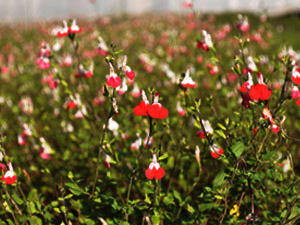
column 221, row 126
column 221, row 133
column 169, row 200
column 155, row 219
column 190, row 209
column 18, row 200
column 205, row 206
column 238, row 149
column 75, row 189
column 219, row 179
column 34, row 220
column 177, row 196
column 164, row 156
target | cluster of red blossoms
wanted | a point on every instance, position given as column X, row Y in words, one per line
column 156, row 110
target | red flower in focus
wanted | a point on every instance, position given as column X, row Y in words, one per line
column 215, row 151
column 113, row 79
column 156, row 110
column 260, row 90
column 154, row 170
column 142, row 108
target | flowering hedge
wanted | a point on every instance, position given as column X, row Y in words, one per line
column 149, row 120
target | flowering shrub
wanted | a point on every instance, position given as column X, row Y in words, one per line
column 157, row 120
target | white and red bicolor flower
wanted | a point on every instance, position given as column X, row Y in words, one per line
column 86, row 73
column 295, row 93
column 113, row 79
column 123, row 88
column 188, row 82
column 179, row 109
column 43, row 60
column 135, row 93
column 22, row 139
column 275, row 128
column 74, row 28
column 247, row 84
column 206, row 42
column 296, row 75
column 26, row 105
column 74, row 102
column 127, row 70
column 215, row 151
column 107, row 160
column 9, row 177
column 102, row 48
column 64, row 31
column 81, row 112
column 243, row 24
column 137, row 143
column 251, row 65
column 142, row 108
column 67, row 30
column 156, row 110
column 154, row 170
column 68, row 60
column 45, row 150
column 260, row 91
column 43, row 63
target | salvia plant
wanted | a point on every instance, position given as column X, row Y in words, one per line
column 149, row 120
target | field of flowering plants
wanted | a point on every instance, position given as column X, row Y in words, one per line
column 156, row 119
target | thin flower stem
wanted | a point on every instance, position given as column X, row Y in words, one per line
column 135, row 168
column 10, row 206
column 99, row 155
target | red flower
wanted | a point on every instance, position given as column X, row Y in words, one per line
column 296, row 75
column 66, row 30
column 154, row 170
column 112, row 79
column 130, row 73
column 71, row 105
column 9, row 177
column 200, row 134
column 141, row 109
column 298, row 102
column 156, row 110
column 215, row 151
column 260, row 91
